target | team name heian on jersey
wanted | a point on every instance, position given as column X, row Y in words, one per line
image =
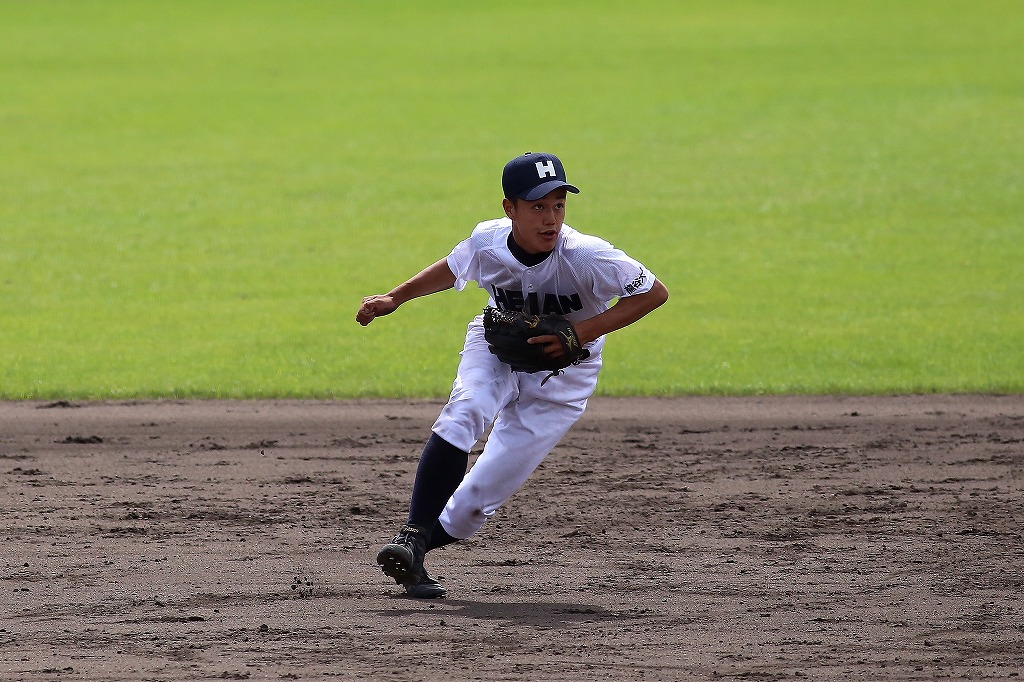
column 508, row 299
column 547, row 304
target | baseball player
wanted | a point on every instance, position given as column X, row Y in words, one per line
column 528, row 260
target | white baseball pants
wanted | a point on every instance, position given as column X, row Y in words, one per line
column 528, row 421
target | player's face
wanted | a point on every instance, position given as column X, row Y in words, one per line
column 536, row 224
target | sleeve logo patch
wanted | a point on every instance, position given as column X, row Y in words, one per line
column 636, row 283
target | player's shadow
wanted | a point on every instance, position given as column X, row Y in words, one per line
column 526, row 613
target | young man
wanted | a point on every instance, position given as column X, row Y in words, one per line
column 527, row 260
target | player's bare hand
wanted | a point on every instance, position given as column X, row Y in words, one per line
column 374, row 307
column 552, row 345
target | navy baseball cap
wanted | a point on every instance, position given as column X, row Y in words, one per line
column 533, row 175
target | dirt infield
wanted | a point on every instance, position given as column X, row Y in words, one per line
column 694, row 538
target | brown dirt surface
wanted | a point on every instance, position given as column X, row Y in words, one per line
column 823, row 538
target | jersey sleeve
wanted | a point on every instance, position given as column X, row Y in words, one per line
column 463, row 264
column 614, row 273
column 469, row 259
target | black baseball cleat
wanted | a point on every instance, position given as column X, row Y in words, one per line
column 426, row 588
column 402, row 559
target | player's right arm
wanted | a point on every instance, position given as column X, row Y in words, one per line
column 437, row 277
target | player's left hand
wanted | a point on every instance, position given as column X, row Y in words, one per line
column 552, row 345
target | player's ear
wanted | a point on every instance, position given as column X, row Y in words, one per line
column 508, row 206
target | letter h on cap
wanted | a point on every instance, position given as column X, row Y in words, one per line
column 546, row 169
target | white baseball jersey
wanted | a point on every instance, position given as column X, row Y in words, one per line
column 580, row 279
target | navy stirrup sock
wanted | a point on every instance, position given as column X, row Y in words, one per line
column 441, row 469
column 439, row 538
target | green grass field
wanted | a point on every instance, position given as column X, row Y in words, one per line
column 195, row 196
